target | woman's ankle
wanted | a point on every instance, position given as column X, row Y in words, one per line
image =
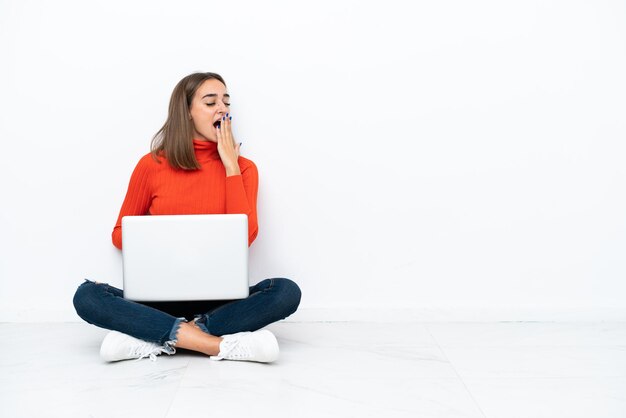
column 191, row 337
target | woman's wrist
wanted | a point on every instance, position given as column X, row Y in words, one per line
column 235, row 171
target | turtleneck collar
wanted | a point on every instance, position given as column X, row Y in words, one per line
column 205, row 150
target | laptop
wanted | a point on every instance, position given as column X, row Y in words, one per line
column 185, row 257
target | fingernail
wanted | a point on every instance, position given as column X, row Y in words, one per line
column 231, row 118
column 240, row 143
column 227, row 114
column 223, row 117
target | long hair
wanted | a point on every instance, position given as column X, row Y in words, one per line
column 175, row 138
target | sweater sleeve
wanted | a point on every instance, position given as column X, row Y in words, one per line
column 241, row 197
column 137, row 200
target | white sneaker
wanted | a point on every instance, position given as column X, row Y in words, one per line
column 250, row 346
column 118, row 346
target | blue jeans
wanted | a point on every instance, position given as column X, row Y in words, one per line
column 104, row 306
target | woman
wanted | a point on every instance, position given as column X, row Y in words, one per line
column 194, row 167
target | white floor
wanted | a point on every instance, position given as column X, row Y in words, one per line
column 329, row 369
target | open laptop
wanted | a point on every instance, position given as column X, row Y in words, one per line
column 185, row 257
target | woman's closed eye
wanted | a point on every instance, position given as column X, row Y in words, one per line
column 211, row 104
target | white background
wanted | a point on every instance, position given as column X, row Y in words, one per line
column 435, row 159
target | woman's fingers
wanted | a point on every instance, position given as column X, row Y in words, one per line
column 229, row 131
column 219, row 133
column 225, row 130
column 226, row 141
column 232, row 138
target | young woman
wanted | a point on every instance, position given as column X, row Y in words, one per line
column 194, row 167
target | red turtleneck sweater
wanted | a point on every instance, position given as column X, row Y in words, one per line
column 158, row 189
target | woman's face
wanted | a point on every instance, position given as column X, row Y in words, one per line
column 209, row 104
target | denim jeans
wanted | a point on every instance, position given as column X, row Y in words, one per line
column 103, row 305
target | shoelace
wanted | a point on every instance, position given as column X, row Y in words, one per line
column 146, row 349
column 234, row 350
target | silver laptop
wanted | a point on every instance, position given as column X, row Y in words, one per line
column 185, row 257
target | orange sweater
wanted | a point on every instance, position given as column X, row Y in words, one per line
column 158, row 189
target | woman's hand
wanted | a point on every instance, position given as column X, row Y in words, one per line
column 227, row 147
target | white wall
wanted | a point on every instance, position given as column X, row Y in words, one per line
column 436, row 159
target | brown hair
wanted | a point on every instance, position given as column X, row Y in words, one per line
column 175, row 138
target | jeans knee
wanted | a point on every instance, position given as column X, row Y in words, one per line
column 290, row 294
column 84, row 300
